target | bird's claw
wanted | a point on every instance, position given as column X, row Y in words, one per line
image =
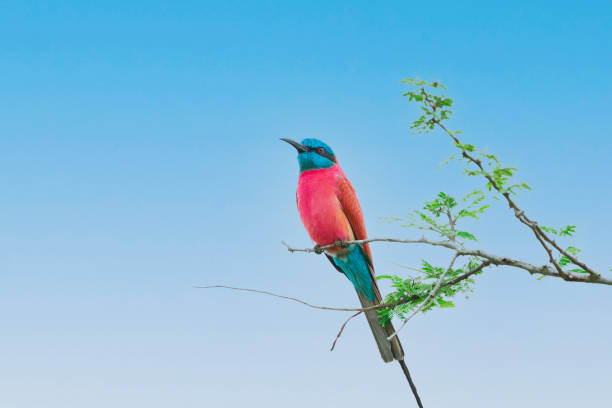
column 317, row 249
column 342, row 244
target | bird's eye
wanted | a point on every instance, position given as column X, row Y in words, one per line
column 320, row 150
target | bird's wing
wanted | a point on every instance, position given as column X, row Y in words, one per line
column 351, row 208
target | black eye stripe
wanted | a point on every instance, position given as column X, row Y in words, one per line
column 321, row 153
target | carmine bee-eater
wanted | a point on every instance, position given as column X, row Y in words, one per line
column 330, row 212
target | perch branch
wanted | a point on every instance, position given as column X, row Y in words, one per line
column 494, row 259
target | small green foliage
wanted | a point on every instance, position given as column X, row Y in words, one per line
column 441, row 204
column 444, row 303
column 442, row 214
column 573, row 250
column 566, row 231
column 549, row 230
column 466, row 235
column 564, row 260
column 492, row 159
column 409, row 293
column 447, row 161
column 499, row 178
column 435, row 108
column 465, row 147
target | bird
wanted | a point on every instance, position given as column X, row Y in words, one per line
column 328, row 207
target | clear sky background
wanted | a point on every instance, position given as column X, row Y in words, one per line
column 140, row 157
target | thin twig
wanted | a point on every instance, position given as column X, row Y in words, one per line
column 340, row 309
column 342, row 329
column 451, row 223
column 265, row 292
column 358, row 311
column 410, row 268
column 428, row 299
column 551, row 258
column 345, row 309
column 466, row 275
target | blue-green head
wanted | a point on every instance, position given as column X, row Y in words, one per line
column 313, row 154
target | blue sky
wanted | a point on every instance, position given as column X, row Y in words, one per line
column 140, row 157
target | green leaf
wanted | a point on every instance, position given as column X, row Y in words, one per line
column 568, row 230
column 444, row 303
column 483, row 208
column 466, row 235
column 549, row 230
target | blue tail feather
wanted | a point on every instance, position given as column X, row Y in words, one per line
column 355, row 267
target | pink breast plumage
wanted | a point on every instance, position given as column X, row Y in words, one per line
column 319, row 207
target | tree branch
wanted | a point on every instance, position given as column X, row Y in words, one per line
column 494, row 259
column 319, row 249
column 592, row 276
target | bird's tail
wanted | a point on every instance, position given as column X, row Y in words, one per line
column 389, row 349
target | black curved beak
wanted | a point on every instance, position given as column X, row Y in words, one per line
column 299, row 147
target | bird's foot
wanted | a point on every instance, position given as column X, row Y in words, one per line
column 317, row 249
column 342, row 244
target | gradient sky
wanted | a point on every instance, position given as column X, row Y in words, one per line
column 140, row 157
